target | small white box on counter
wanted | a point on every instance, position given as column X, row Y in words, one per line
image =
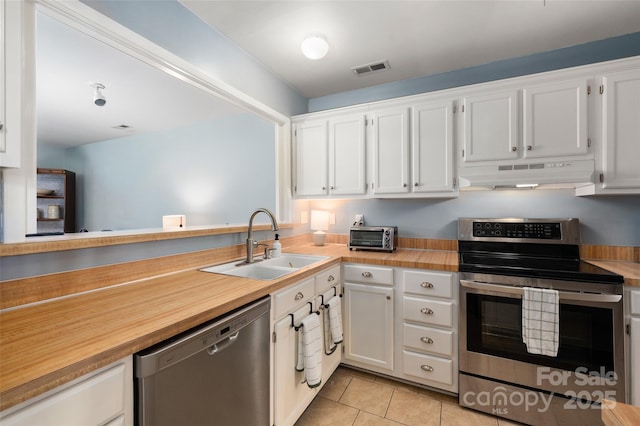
column 174, row 221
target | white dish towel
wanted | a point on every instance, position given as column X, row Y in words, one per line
column 540, row 321
column 335, row 319
column 312, row 348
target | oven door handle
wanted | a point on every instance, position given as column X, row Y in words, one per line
column 562, row 295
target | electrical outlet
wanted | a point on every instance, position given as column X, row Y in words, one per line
column 359, row 220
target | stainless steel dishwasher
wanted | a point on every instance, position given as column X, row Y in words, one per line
column 215, row 374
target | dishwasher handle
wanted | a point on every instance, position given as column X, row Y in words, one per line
column 224, row 344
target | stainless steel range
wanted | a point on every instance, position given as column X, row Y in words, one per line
column 541, row 331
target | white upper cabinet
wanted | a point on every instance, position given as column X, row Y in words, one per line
column 12, row 75
column 391, row 151
column 347, row 155
column 311, row 153
column 490, row 126
column 555, row 119
column 620, row 168
column 330, row 156
column 432, row 144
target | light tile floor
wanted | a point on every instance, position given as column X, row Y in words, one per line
column 354, row 398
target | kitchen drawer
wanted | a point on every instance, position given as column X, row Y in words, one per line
column 293, row 297
column 327, row 278
column 103, row 392
column 426, row 339
column 428, row 367
column 635, row 302
column 428, row 311
column 368, row 274
column 428, row 283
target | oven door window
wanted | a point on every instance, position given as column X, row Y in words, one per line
column 367, row 238
column 494, row 327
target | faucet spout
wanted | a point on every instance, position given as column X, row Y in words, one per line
column 250, row 242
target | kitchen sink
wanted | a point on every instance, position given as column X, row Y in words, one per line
column 266, row 269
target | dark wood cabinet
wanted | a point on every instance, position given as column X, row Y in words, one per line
column 56, row 201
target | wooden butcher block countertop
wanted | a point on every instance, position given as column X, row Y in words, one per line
column 46, row 344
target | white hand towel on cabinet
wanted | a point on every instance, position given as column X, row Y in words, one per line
column 540, row 321
column 312, row 343
column 335, row 319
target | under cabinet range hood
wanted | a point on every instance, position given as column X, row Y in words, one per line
column 568, row 174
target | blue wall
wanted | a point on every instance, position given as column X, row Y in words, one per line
column 606, row 220
column 215, row 172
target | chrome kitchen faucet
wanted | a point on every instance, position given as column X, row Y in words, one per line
column 250, row 242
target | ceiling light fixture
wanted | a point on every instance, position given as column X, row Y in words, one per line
column 315, row 47
column 98, row 97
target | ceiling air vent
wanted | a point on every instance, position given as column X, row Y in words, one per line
column 375, row 66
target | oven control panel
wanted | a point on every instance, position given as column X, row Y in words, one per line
column 534, row 230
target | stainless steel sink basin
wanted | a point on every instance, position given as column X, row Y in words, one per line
column 266, row 269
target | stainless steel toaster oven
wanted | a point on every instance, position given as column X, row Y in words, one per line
column 381, row 238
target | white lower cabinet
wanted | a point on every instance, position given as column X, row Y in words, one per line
column 291, row 394
column 103, row 397
column 368, row 317
column 402, row 323
column 429, row 328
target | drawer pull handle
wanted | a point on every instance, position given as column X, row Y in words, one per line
column 299, row 296
column 367, row 274
column 427, row 311
column 426, row 285
column 426, row 368
column 330, row 278
column 427, row 340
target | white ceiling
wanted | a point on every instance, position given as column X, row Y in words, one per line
column 137, row 95
column 418, row 38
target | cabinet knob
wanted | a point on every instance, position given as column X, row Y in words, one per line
column 416, row 184
column 1, row 126
column 427, row 340
column 367, row 274
column 330, row 278
column 388, row 297
column 426, row 311
column 529, row 147
column 331, row 188
column 404, row 185
column 514, row 149
column 324, row 188
column 299, row 296
column 426, row 284
column 425, row 367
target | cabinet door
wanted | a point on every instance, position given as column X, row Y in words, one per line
column 635, row 361
column 14, row 103
column 491, row 126
column 347, row 155
column 432, row 147
column 368, row 322
column 555, row 119
column 311, row 152
column 621, row 130
column 391, row 151
column 291, row 393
